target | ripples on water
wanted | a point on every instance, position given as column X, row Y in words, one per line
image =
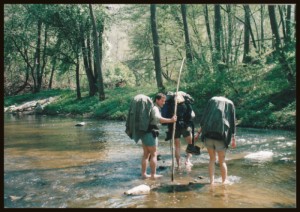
column 51, row 163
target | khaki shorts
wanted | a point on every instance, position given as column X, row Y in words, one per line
column 217, row 145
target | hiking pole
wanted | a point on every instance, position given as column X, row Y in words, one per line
column 174, row 124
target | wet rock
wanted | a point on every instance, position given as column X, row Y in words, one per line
column 80, row 124
column 161, row 168
column 15, row 198
column 38, row 108
column 138, row 190
column 158, row 157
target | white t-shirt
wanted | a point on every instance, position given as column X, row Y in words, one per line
column 155, row 115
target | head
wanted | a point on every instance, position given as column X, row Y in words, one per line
column 160, row 99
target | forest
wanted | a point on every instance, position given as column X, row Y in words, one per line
column 96, row 57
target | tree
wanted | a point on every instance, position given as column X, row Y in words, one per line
column 288, row 25
column 279, row 54
column 218, row 34
column 189, row 55
column 97, row 55
column 156, row 48
column 208, row 28
column 87, row 62
column 246, row 58
column 274, row 27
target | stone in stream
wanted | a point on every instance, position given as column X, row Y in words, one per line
column 80, row 124
column 138, row 190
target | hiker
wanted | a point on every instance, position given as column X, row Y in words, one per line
column 217, row 129
column 142, row 123
column 184, row 125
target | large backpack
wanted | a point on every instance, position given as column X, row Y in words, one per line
column 138, row 119
column 218, row 120
column 185, row 113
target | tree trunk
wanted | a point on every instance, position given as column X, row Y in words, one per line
column 37, row 65
column 188, row 49
column 77, row 80
column 246, row 58
column 208, row 29
column 230, row 35
column 97, row 56
column 88, row 71
column 52, row 72
column 262, row 44
column 40, row 79
column 280, row 8
column 288, row 25
column 156, row 48
column 279, row 52
column 22, row 87
column 90, row 61
column 274, row 27
column 218, row 34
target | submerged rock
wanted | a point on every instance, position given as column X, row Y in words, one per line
column 138, row 190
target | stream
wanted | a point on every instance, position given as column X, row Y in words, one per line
column 51, row 163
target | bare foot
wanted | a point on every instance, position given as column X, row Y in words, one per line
column 145, row 176
column 155, row 176
column 188, row 163
column 225, row 182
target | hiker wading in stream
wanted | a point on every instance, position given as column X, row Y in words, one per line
column 217, row 129
column 142, row 123
column 184, row 124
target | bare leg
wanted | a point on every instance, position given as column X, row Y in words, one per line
column 188, row 162
column 223, row 166
column 188, row 159
column 177, row 151
column 153, row 161
column 145, row 159
column 211, row 167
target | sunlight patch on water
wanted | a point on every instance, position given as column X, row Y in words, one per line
column 260, row 156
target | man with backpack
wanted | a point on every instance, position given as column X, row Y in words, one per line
column 218, row 127
column 142, row 123
column 184, row 124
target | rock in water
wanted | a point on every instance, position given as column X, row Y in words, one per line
column 138, row 190
column 80, row 124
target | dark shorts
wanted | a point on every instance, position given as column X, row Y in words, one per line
column 183, row 132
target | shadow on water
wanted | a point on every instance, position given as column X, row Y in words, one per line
column 178, row 188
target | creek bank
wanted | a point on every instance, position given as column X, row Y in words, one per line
column 31, row 107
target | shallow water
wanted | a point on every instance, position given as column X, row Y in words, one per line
column 51, row 163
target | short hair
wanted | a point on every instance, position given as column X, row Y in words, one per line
column 159, row 96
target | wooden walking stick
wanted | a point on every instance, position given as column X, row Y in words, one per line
column 174, row 124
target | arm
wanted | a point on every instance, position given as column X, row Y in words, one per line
column 163, row 120
column 198, row 134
